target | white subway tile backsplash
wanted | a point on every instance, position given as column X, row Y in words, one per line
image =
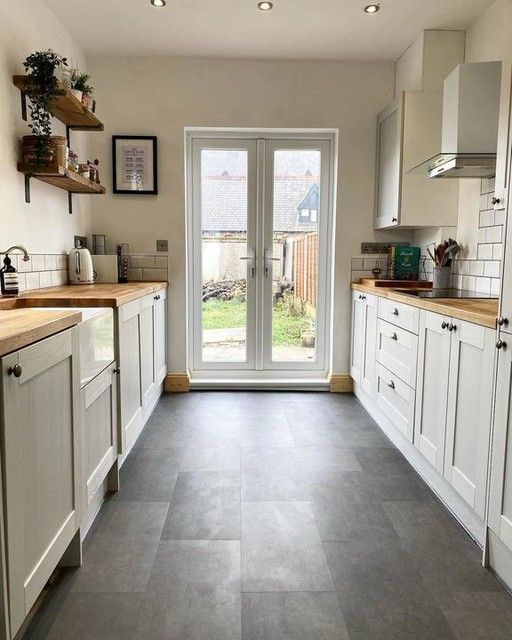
column 495, row 286
column 497, row 251
column 493, row 234
column 480, row 236
column 483, row 285
column 142, row 262
column 161, row 262
column 32, row 280
column 484, row 251
column 37, row 262
column 500, row 217
column 486, row 219
column 492, row 268
column 159, row 275
column 476, row 268
column 135, row 274
column 356, row 264
column 50, row 262
column 45, row 279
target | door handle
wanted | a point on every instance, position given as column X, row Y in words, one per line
column 269, row 259
column 252, row 258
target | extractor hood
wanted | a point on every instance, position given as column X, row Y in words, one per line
column 471, row 100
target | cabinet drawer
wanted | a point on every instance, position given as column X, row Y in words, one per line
column 399, row 314
column 396, row 400
column 397, row 350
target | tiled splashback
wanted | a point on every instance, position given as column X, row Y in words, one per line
column 50, row 269
column 361, row 267
column 148, row 267
column 42, row 270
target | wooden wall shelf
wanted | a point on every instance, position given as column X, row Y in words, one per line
column 66, row 107
column 62, row 178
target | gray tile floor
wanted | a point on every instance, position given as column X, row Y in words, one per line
column 264, row 516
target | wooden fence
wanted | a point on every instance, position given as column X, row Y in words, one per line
column 305, row 260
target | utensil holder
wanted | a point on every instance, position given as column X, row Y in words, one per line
column 442, row 278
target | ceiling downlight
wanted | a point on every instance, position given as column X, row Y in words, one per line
column 371, row 8
column 158, row 3
column 265, row 5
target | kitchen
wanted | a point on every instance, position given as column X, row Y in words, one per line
column 169, row 471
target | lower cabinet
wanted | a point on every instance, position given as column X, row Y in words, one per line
column 99, row 411
column 500, row 502
column 141, row 331
column 363, row 340
column 41, row 450
column 454, row 402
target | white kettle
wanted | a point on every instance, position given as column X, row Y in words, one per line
column 80, row 269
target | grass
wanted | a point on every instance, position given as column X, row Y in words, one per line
column 287, row 326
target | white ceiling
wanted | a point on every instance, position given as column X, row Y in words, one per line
column 304, row 29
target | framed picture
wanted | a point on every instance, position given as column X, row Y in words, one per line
column 134, row 165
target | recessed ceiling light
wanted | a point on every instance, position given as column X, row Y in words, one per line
column 372, row 8
column 158, row 3
column 265, row 5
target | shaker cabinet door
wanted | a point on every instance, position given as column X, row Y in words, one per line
column 469, row 411
column 41, row 450
column 432, row 387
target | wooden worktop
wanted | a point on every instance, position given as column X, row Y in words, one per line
column 480, row 311
column 21, row 327
column 85, row 295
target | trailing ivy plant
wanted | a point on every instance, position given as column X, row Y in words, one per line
column 40, row 67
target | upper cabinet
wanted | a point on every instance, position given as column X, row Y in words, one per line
column 408, row 131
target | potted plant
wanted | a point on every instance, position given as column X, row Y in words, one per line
column 82, row 89
column 41, row 147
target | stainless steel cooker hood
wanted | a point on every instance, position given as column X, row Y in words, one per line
column 471, row 100
column 459, row 165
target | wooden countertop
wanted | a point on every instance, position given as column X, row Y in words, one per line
column 21, row 327
column 87, row 295
column 479, row 311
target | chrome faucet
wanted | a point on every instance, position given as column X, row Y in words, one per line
column 26, row 257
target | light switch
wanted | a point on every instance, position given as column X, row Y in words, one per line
column 162, row 245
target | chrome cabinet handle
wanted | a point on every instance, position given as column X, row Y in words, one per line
column 391, row 384
column 394, row 336
column 15, row 371
column 395, row 311
column 501, row 344
column 501, row 321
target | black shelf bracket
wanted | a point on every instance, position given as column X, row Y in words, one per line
column 23, row 105
column 70, row 202
column 27, row 187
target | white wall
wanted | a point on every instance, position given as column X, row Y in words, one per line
column 161, row 96
column 44, row 226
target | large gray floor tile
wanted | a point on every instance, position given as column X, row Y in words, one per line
column 106, row 616
column 272, row 473
column 199, row 456
column 124, row 521
column 294, row 616
column 115, row 566
column 479, row 615
column 265, row 433
column 195, row 563
column 171, row 431
column 204, row 506
column 191, row 612
column 321, row 464
column 149, row 475
column 281, row 549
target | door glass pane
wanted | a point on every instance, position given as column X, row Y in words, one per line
column 224, row 245
column 295, row 254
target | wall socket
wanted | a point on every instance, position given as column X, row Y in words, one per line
column 162, row 245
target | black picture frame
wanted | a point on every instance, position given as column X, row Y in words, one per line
column 152, row 179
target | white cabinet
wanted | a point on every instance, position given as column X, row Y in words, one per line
column 395, row 399
column 99, row 410
column 432, row 387
column 409, row 133
column 364, row 334
column 130, row 401
column 141, row 332
column 397, row 350
column 454, row 402
column 41, row 453
column 500, row 502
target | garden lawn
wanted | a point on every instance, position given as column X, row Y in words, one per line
column 287, row 327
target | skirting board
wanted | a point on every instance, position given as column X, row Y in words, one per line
column 341, row 383
column 177, row 383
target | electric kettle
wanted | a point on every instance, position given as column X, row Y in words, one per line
column 80, row 269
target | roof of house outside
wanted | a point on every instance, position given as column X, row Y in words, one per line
column 224, row 189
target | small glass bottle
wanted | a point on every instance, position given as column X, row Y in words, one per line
column 9, row 279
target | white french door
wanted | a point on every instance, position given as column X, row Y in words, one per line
column 260, row 223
